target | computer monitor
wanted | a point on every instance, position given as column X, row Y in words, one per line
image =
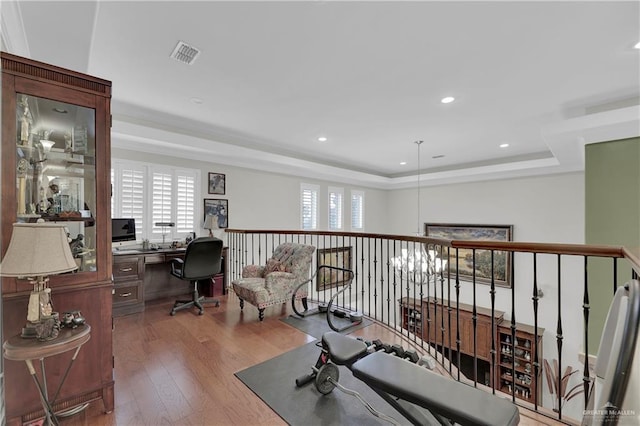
column 123, row 232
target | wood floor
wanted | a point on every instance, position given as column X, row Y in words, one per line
column 180, row 370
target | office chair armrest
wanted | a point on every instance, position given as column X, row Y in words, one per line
column 176, row 267
column 253, row 271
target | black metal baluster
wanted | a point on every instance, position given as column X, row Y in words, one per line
column 458, row 311
column 536, row 359
column 586, row 376
column 375, row 278
column 494, row 334
column 474, row 318
column 513, row 339
column 559, row 338
column 449, row 309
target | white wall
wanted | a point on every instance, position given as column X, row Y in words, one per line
column 260, row 200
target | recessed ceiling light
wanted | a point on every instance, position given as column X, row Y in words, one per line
column 322, row 139
column 637, row 46
column 504, row 145
column 197, row 101
column 447, row 100
column 403, row 163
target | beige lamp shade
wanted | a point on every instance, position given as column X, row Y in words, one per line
column 37, row 249
column 210, row 222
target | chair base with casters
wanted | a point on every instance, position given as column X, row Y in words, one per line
column 195, row 301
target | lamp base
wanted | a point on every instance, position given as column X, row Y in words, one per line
column 29, row 331
column 47, row 328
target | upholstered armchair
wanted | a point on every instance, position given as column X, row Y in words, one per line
column 274, row 283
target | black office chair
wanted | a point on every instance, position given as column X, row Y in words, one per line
column 202, row 260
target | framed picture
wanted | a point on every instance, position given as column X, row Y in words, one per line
column 339, row 257
column 217, row 182
column 502, row 260
column 218, row 208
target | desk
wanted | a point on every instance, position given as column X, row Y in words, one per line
column 143, row 275
column 20, row 349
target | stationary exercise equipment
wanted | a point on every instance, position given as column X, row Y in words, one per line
column 354, row 317
column 419, row 395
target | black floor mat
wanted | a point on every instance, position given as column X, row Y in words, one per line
column 316, row 325
column 274, row 382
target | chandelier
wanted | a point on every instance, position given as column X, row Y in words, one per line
column 419, row 266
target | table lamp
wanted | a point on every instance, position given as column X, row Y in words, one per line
column 210, row 223
column 37, row 250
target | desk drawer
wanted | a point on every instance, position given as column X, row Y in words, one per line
column 150, row 259
column 125, row 269
column 126, row 294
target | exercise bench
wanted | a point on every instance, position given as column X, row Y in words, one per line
column 421, row 396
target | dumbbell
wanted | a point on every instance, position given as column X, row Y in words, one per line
column 398, row 350
column 412, row 356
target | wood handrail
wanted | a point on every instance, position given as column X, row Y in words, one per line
column 632, row 255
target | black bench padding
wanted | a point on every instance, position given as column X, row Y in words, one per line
column 344, row 350
column 454, row 400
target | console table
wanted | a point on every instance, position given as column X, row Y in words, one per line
column 143, row 275
column 18, row 348
column 430, row 320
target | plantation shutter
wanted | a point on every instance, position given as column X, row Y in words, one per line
column 309, row 203
column 185, row 214
column 161, row 203
column 357, row 211
column 335, row 209
column 132, row 197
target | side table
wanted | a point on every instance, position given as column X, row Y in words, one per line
column 27, row 350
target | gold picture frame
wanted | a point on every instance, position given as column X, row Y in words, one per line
column 340, row 257
column 502, row 260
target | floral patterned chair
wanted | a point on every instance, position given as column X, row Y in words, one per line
column 275, row 282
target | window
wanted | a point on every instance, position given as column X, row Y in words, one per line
column 150, row 194
column 336, row 195
column 357, row 210
column 309, row 206
column 128, row 194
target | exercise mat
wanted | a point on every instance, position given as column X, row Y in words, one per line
column 274, row 382
column 317, row 325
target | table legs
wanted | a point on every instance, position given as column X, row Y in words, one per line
column 50, row 416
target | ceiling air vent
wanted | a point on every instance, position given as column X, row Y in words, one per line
column 185, row 53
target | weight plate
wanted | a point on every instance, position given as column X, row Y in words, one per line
column 323, row 385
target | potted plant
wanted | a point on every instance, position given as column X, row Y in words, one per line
column 558, row 384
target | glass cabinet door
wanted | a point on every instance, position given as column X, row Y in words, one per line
column 56, row 170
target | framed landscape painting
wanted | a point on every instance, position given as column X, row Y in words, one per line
column 339, row 257
column 502, row 260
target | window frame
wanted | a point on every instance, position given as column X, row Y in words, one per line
column 339, row 192
column 147, row 230
column 361, row 195
column 316, row 190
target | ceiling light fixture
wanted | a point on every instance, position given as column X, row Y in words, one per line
column 447, row 100
column 504, row 145
column 322, row 139
column 403, row 163
column 637, row 46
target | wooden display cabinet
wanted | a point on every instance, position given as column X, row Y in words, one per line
column 520, row 351
column 56, row 160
